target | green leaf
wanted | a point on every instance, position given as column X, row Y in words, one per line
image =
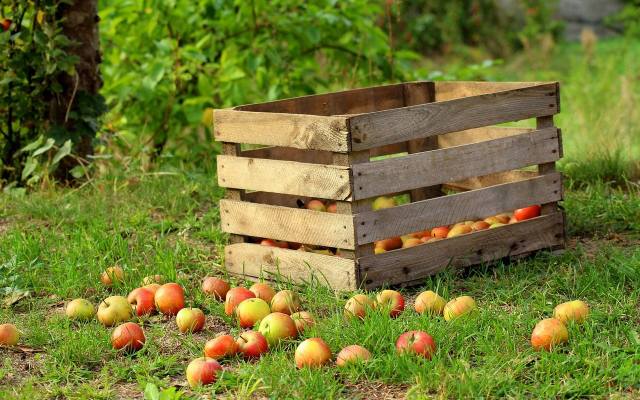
column 77, row 171
column 33, row 145
column 62, row 152
column 29, row 167
column 48, row 145
column 151, row 392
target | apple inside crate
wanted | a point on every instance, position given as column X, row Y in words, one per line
column 340, row 172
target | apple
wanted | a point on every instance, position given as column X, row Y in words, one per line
column 440, row 232
column 352, row 354
column 512, row 220
column 202, row 371
column 458, row 307
column 215, row 287
column 142, row 301
column 220, row 347
column 236, row 296
column 112, row 275
column 501, row 218
column 276, row 327
column 332, row 208
column 263, row 291
column 153, row 288
column 274, row 243
column 575, row 310
column 5, row 23
column 497, row 225
column 479, row 226
column 391, row 300
column 190, row 320
column 358, row 306
column 285, row 301
column 169, row 298
column 252, row 344
column 383, row 202
column 148, row 280
column 303, row 320
column 411, row 242
column 548, row 333
column 251, row 311
column 80, row 310
column 527, row 213
column 389, row 244
column 316, row 205
column 9, row 335
column 379, row 250
column 429, row 302
column 458, row 230
column 113, row 310
column 417, row 342
column 128, row 337
column 312, row 352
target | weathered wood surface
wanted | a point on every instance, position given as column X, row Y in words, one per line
column 284, row 223
column 233, row 149
column 479, row 182
column 288, row 177
column 276, row 199
column 277, row 129
column 262, row 261
column 477, row 135
column 445, row 210
column 456, row 90
column 418, row 262
column 456, row 163
column 290, row 154
column 391, row 126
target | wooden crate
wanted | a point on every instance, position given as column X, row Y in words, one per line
column 442, row 136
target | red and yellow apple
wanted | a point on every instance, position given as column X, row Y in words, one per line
column 312, row 352
column 142, row 301
column 429, row 302
column 411, row 242
column 575, row 310
column 113, row 310
column 332, row 208
column 458, row 230
column 316, row 205
column 416, row 342
column 128, row 337
column 479, row 226
column 440, row 232
column 252, row 344
column 274, row 243
column 358, row 306
column 220, row 347
column 303, row 320
column 169, row 298
column 263, row 291
column 389, row 244
column 277, row 326
column 236, row 296
column 458, row 307
column 251, row 311
column 352, row 354
column 522, row 214
column 501, row 218
column 549, row 333
column 80, row 310
column 390, row 300
column 153, row 288
column 112, row 275
column 9, row 335
column 148, row 280
column 285, row 301
column 202, row 371
column 215, row 287
column 190, row 320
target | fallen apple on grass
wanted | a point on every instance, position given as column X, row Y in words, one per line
column 263, row 291
column 128, row 337
column 169, row 298
column 252, row 344
column 236, row 296
column 522, row 214
column 220, row 347
column 148, row 280
column 215, row 287
column 312, row 352
column 575, row 310
column 458, row 307
column 251, row 311
column 113, row 310
column 416, row 342
column 142, row 301
column 80, row 310
column 352, row 354
column 202, row 371
column 112, row 275
column 429, row 302
column 303, row 320
column 9, row 335
column 390, row 300
column 190, row 320
column 285, row 301
column 277, row 326
column 549, row 333
column 358, row 306
column 153, row 288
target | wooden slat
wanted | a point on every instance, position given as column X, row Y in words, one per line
column 396, row 125
column 290, row 224
column 477, row 135
column 288, row 130
column 288, row 177
column 256, row 260
column 456, row 90
column 446, row 165
column 233, row 149
column 290, row 154
column 479, row 182
column 445, row 210
column 276, row 199
column 418, row 262
column 389, row 149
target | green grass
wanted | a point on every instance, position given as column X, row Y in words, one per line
column 55, row 244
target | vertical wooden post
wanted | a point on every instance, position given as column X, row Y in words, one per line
column 548, row 168
column 233, row 149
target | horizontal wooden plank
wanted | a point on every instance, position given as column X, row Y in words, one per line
column 445, row 210
column 255, row 261
column 391, row 126
column 276, row 199
column 290, row 224
column 418, row 262
column 477, row 135
column 479, row 182
column 288, row 177
column 447, row 165
column 394, row 148
column 288, row 130
column 290, row 154
column 458, row 89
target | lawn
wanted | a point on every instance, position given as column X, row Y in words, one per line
column 54, row 245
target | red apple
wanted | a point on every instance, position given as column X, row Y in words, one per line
column 440, row 232
column 389, row 244
column 479, row 226
column 263, row 291
column 142, row 301
column 285, row 301
column 430, row 303
column 215, row 287
column 220, row 347
column 316, row 205
column 128, row 337
column 312, row 352
column 549, row 333
column 113, row 310
column 303, row 320
column 251, row 311
column 575, row 310
column 332, row 208
column 153, row 288
column 111, row 275
column 202, row 371
column 358, row 306
column 234, row 297
column 169, row 298
column 274, row 243
column 391, row 300
column 352, row 354
column 527, row 213
column 417, row 342
column 80, row 310
column 458, row 307
column 9, row 335
column 252, row 344
column 190, row 320
column 277, row 326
